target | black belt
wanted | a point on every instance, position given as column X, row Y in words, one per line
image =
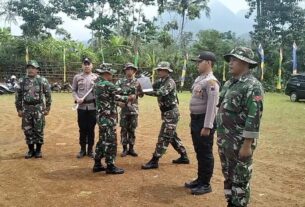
column 167, row 108
column 89, row 101
column 197, row 116
column 32, row 104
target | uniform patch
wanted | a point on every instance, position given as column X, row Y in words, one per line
column 258, row 98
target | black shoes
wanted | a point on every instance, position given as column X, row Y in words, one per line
column 38, row 153
column 112, row 169
column 125, row 151
column 90, row 152
column 131, row 151
column 201, row 189
column 152, row 164
column 192, row 184
column 182, row 160
column 31, row 152
column 98, row 167
column 82, row 152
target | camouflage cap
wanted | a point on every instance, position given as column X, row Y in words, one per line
column 130, row 65
column 105, row 70
column 244, row 54
column 33, row 63
column 164, row 66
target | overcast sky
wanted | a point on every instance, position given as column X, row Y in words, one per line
column 79, row 32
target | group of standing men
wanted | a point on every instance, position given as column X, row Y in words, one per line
column 236, row 111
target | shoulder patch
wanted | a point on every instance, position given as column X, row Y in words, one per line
column 212, row 82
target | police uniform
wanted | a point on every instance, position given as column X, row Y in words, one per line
column 205, row 94
column 86, row 112
column 238, row 117
column 33, row 99
column 165, row 91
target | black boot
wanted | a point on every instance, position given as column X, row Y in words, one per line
column 183, row 159
column 201, row 189
column 82, row 152
column 152, row 164
column 125, row 151
column 38, row 153
column 98, row 167
column 112, row 169
column 90, row 152
column 131, row 151
column 31, row 152
column 192, row 184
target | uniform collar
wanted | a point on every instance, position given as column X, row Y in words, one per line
column 241, row 78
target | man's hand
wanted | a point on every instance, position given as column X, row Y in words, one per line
column 20, row 113
column 46, row 113
column 79, row 100
column 121, row 104
column 205, row 132
column 131, row 98
column 245, row 150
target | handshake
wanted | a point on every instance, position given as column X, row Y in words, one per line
column 130, row 98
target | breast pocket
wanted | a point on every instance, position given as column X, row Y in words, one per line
column 233, row 102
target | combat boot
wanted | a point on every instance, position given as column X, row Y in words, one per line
column 125, row 151
column 183, row 159
column 98, row 167
column 31, row 152
column 131, row 151
column 201, row 189
column 192, row 184
column 152, row 164
column 90, row 152
column 82, row 152
column 38, row 153
column 112, row 169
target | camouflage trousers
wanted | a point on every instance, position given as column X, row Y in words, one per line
column 128, row 124
column 106, row 146
column 33, row 122
column 237, row 174
column 168, row 134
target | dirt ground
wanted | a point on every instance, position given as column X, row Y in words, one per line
column 59, row 179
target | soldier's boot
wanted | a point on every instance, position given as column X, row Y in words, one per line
column 82, row 152
column 183, row 159
column 112, row 169
column 90, row 151
column 201, row 189
column 125, row 151
column 98, row 167
column 192, row 184
column 152, row 164
column 38, row 153
column 31, row 152
column 131, row 151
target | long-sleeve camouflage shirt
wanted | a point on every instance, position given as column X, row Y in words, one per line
column 165, row 90
column 240, row 110
column 130, row 87
column 107, row 94
column 33, row 91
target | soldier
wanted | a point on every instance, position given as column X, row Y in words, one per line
column 238, row 122
column 205, row 94
column 86, row 112
column 165, row 90
column 106, row 96
column 129, row 112
column 33, row 103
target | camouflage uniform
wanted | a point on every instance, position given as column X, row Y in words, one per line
column 30, row 99
column 129, row 113
column 239, row 114
column 165, row 90
column 106, row 98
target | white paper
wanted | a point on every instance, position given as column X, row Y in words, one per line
column 146, row 84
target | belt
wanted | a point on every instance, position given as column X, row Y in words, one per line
column 89, row 101
column 32, row 104
column 167, row 108
column 197, row 116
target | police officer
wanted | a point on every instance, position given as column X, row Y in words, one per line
column 165, row 91
column 205, row 94
column 106, row 96
column 33, row 103
column 238, row 123
column 86, row 117
column 129, row 111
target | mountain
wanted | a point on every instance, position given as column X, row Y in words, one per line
column 221, row 19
